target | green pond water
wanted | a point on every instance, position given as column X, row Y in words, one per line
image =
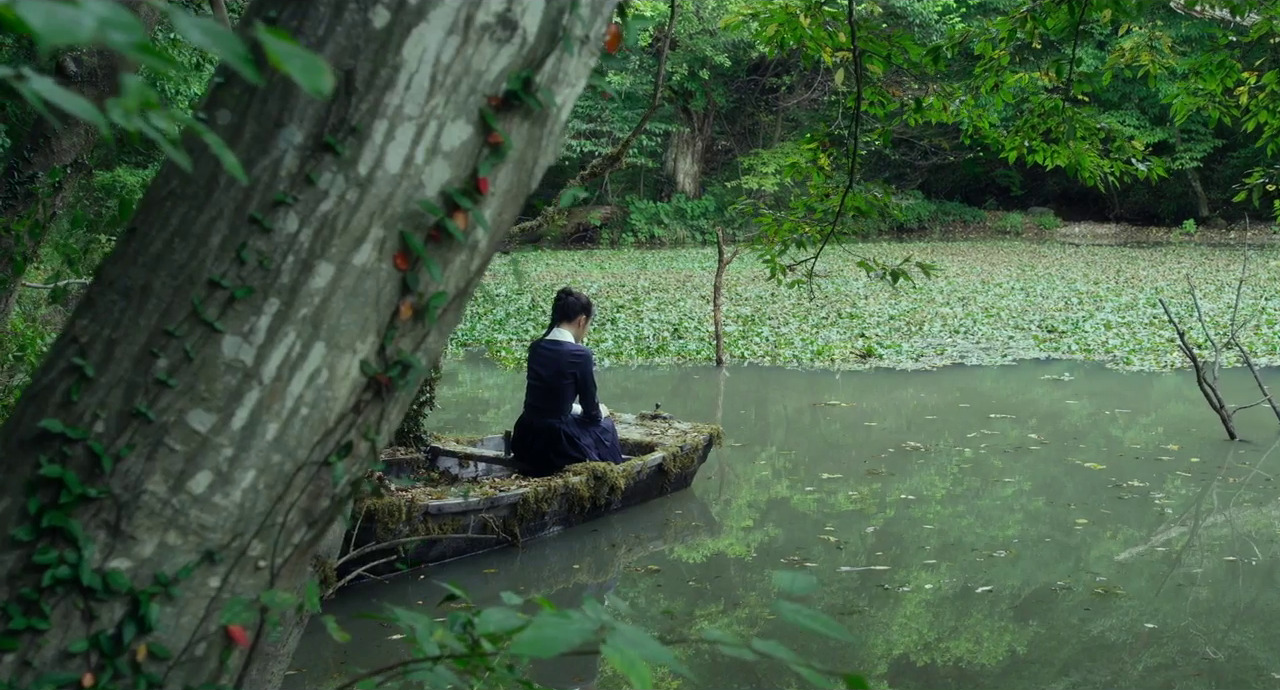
column 1041, row 525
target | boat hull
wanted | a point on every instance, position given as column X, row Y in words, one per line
column 402, row 531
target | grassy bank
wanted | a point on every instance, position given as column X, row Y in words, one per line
column 995, row 302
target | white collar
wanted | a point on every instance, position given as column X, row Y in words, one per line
column 559, row 333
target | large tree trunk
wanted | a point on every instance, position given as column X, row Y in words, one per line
column 29, row 197
column 1202, row 200
column 687, row 151
column 212, row 392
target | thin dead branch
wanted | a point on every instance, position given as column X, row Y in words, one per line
column 1208, row 388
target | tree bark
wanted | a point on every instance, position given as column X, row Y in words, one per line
column 235, row 420
column 1202, row 201
column 687, row 151
column 30, row 197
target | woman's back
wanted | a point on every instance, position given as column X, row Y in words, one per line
column 552, row 380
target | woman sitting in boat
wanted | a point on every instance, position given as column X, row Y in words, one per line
column 553, row 431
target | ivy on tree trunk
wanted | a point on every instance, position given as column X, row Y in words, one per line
column 237, row 363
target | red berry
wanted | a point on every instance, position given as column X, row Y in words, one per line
column 613, row 38
column 401, row 260
column 482, row 184
column 237, row 635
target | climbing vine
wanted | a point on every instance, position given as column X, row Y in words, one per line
column 121, row 610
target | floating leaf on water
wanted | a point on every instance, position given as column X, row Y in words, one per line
column 828, row 537
column 824, row 475
column 810, row 488
column 929, row 562
column 1163, row 457
column 856, row 568
column 1194, row 460
column 834, row 403
column 1094, row 466
column 1172, row 446
column 1230, row 558
column 396, row 636
column 1181, row 473
column 1071, row 402
column 987, row 588
column 1081, row 521
column 491, row 570
column 928, row 527
column 871, row 423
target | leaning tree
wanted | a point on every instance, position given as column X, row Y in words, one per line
column 246, row 348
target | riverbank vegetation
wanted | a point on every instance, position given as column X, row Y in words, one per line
column 991, row 302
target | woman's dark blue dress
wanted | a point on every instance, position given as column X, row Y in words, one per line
column 548, row 436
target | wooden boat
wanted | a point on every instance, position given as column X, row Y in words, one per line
column 464, row 496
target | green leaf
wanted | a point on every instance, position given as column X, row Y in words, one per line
column 159, row 651
column 219, row 149
column 553, row 633
column 571, row 196
column 628, row 663
column 460, row 198
column 643, row 644
column 9, row 643
column 415, row 245
column 335, row 631
column 453, row 229
column 210, row 35
column 79, row 646
column 367, row 368
column 855, row 682
column 814, row 678
column 774, row 649
column 51, row 424
column 811, row 620
column 499, row 620
column 511, row 598
column 794, row 583
column 431, row 208
column 311, row 595
column 64, row 99
column 88, row 22
column 307, row 69
column 435, row 303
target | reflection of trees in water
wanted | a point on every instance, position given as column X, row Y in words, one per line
column 772, row 503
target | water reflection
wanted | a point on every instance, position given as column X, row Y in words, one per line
column 1042, row 525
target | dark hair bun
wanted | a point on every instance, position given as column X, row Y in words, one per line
column 565, row 293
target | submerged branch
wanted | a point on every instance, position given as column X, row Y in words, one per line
column 58, row 284
column 370, row 548
column 1207, row 388
column 362, row 570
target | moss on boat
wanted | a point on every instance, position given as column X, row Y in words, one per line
column 427, row 502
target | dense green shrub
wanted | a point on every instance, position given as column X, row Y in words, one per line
column 681, row 221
